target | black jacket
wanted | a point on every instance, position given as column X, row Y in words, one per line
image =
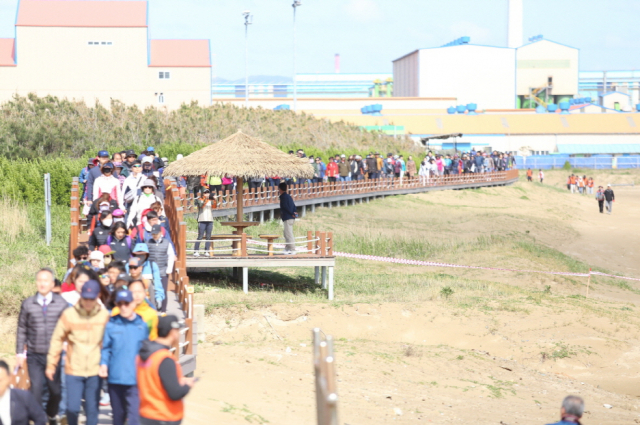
column 167, row 370
column 372, row 165
column 99, row 236
column 34, row 329
column 25, row 409
column 93, row 210
column 609, row 196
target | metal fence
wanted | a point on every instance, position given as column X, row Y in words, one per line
column 597, row 162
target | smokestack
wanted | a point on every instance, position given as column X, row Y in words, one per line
column 515, row 31
column 337, row 63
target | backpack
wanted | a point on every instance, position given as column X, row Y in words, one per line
column 110, row 239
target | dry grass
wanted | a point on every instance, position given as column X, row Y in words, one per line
column 13, row 220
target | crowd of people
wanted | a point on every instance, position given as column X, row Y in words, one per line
column 101, row 335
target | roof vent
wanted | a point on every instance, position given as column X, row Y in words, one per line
column 458, row 42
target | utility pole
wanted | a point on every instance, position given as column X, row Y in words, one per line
column 248, row 20
column 295, row 5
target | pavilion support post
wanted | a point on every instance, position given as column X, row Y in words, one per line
column 261, row 217
column 317, row 277
column 245, row 280
column 330, row 283
column 304, row 210
column 313, row 208
column 324, row 277
column 239, row 199
column 271, row 215
column 330, row 205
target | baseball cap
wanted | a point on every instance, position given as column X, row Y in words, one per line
column 90, row 161
column 150, row 149
column 130, row 152
column 96, row 255
column 609, row 185
column 134, row 262
column 90, row 290
column 108, row 165
column 118, row 213
column 343, row 156
column 167, row 323
column 106, row 250
column 155, row 229
column 124, row 295
column 103, row 154
column 147, row 160
column 124, row 276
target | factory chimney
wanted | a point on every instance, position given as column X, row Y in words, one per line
column 337, row 63
column 515, row 31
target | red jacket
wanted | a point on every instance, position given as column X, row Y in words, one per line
column 332, row 169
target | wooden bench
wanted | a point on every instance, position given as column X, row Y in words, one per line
column 269, row 239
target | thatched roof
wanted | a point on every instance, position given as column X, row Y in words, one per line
column 241, row 156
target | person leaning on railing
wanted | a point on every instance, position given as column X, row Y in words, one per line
column 205, row 221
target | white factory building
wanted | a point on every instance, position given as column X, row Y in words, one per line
column 490, row 76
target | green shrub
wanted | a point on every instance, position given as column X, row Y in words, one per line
column 566, row 166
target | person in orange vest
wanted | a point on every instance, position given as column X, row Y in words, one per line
column 529, row 175
column 572, row 181
column 590, row 186
column 160, row 382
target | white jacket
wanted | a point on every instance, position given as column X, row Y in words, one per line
column 104, row 184
column 140, row 204
column 133, row 183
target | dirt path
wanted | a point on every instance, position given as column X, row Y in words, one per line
column 434, row 363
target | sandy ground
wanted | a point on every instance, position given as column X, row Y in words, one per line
column 430, row 363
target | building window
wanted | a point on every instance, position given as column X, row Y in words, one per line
column 161, row 98
column 164, row 75
column 98, row 43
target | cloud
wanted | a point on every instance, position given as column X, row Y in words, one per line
column 364, row 10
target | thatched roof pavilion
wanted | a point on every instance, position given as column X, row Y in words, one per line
column 241, row 156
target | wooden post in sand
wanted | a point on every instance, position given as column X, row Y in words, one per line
column 588, row 282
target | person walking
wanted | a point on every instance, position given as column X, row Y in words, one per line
column 571, row 411
column 82, row 326
column 609, row 199
column 205, row 222
column 529, row 175
column 600, row 199
column 162, row 253
column 541, row 175
column 94, row 173
column 36, row 323
column 572, row 183
column 142, row 307
column 109, row 183
column 142, row 202
column 149, row 271
column 288, row 214
column 590, row 184
column 123, row 338
column 18, row 407
column 160, row 382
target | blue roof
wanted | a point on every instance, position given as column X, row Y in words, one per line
column 576, row 149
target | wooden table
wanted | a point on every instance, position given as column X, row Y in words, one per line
column 240, row 225
column 269, row 239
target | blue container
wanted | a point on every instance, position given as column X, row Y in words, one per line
column 461, row 109
column 587, row 99
column 638, row 107
column 541, row 109
column 552, row 107
column 564, row 107
column 471, row 107
column 377, row 107
column 452, row 110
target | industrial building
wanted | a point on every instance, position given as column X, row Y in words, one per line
column 97, row 51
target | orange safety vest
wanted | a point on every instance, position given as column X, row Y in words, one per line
column 590, row 183
column 529, row 173
column 154, row 401
column 572, row 180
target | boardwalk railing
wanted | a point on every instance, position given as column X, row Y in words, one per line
column 331, row 190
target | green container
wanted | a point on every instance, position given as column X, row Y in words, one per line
column 518, row 102
column 562, row 98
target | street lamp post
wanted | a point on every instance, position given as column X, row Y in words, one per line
column 295, row 5
column 248, row 20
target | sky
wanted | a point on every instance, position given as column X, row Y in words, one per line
column 370, row 34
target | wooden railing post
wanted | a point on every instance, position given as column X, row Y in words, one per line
column 309, row 242
column 243, row 245
column 316, row 244
column 323, row 244
column 182, row 251
column 330, row 245
column 188, row 336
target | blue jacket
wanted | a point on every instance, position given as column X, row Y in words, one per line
column 120, row 346
column 150, row 268
column 287, row 207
